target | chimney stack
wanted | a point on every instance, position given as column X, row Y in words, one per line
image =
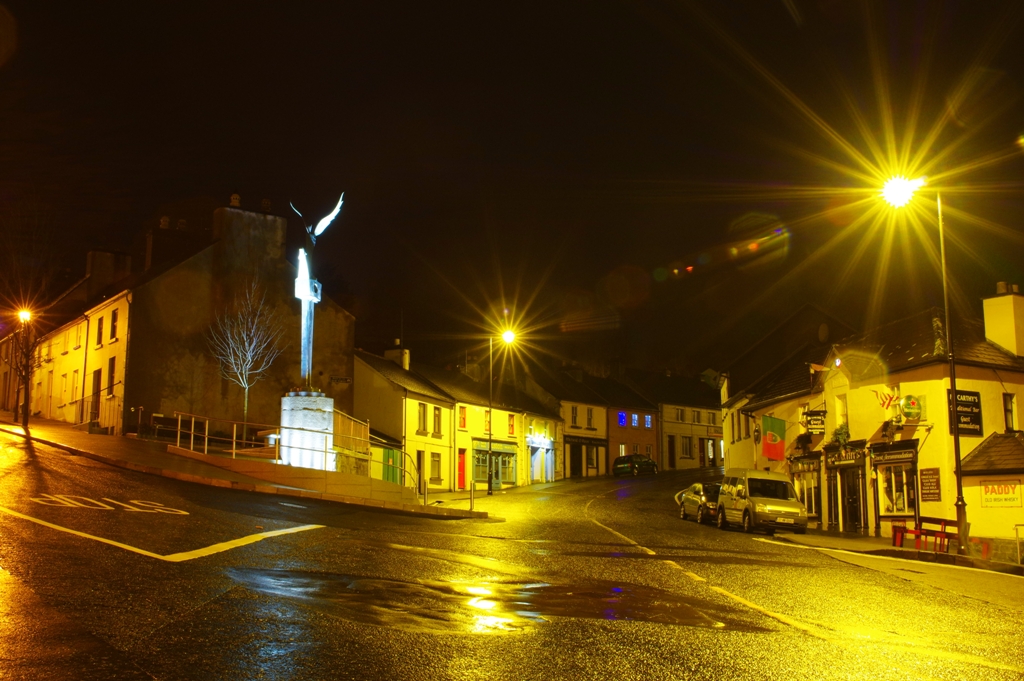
column 1004, row 318
column 398, row 355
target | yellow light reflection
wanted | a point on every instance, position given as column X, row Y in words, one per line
column 485, row 623
column 478, row 591
column 482, row 603
column 898, row 190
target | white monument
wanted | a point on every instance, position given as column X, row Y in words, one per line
column 307, row 415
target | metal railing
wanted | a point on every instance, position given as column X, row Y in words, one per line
column 102, row 410
column 351, row 451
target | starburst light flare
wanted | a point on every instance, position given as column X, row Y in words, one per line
column 898, row 190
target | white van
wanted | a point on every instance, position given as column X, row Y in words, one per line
column 760, row 500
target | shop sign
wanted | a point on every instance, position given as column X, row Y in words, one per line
column 968, row 412
column 845, row 457
column 805, row 465
column 1000, row 494
column 931, row 484
column 910, row 407
column 894, row 457
column 495, row 446
column 538, row 441
column 580, row 440
column 815, row 422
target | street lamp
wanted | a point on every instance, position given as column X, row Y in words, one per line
column 508, row 337
column 897, row 192
column 25, row 316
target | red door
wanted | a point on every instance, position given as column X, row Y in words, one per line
column 462, row 469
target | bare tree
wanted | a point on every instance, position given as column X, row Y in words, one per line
column 246, row 340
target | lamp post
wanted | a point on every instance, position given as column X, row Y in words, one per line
column 897, row 192
column 509, row 337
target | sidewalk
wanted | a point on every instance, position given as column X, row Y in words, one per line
column 152, row 457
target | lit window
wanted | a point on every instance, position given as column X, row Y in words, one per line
column 462, row 417
column 647, row 420
column 511, row 424
column 896, row 483
column 636, row 420
column 622, row 419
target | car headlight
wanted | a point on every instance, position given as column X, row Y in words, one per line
column 702, row 499
column 761, row 508
column 803, row 512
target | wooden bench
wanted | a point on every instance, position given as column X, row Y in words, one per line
column 939, row 530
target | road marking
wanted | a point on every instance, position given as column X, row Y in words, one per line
column 285, row 503
column 625, row 538
column 174, row 557
column 68, row 501
column 774, row 615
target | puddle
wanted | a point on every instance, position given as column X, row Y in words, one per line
column 483, row 608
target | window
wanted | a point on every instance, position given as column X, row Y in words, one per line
column 511, row 424
column 462, row 417
column 1008, row 411
column 680, row 415
column 696, row 416
column 712, row 420
column 622, row 450
column 840, row 410
column 63, row 388
column 636, row 448
column 647, row 449
column 732, row 426
column 685, row 447
column 897, row 486
column 99, row 331
column 74, row 385
column 437, row 421
column 487, row 420
column 110, row 375
column 435, row 467
column 647, row 420
column 421, row 420
column 591, row 456
column 113, row 324
column 635, row 420
column 78, row 336
column 575, row 415
column 622, row 419
column 590, row 417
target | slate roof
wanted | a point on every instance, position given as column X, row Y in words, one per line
column 680, row 390
column 567, row 384
column 920, row 339
column 617, row 394
column 462, row 388
column 998, row 453
column 789, row 379
column 401, row 377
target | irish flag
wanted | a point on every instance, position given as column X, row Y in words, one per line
column 773, row 444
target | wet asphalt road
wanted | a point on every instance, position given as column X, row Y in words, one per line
column 109, row 574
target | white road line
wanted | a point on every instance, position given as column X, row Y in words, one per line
column 285, row 503
column 174, row 557
column 774, row 615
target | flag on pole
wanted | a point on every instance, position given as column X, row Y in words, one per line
column 773, row 444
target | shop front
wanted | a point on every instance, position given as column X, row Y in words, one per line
column 806, row 471
column 586, row 454
column 894, row 471
column 542, row 458
column 846, row 487
column 497, row 458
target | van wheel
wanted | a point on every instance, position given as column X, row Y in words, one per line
column 700, row 515
column 722, row 522
column 748, row 525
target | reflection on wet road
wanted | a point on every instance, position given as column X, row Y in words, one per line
column 484, row 607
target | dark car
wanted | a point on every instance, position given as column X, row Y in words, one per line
column 633, row 464
column 700, row 501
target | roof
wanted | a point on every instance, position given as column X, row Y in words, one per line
column 462, row 388
column 401, row 377
column 998, row 453
column 567, row 385
column 790, row 378
column 921, row 339
column 680, row 390
column 617, row 394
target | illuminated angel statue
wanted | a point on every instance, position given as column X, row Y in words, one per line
column 308, row 289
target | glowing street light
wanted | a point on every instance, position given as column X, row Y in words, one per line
column 25, row 316
column 897, row 192
column 508, row 336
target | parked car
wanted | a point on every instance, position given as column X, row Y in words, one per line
column 633, row 464
column 700, row 501
column 760, row 500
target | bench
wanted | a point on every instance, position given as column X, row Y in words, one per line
column 939, row 530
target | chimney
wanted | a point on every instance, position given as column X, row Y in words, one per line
column 398, row 355
column 1004, row 318
column 236, row 201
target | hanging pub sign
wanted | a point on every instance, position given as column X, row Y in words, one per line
column 968, row 412
column 911, row 408
column 815, row 422
column 931, row 485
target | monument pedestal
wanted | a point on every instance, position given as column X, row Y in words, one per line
column 307, row 430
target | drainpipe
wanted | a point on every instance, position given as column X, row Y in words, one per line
column 85, row 363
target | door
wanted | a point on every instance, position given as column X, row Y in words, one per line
column 575, row 460
column 851, row 499
column 671, row 451
column 94, row 399
column 462, row 468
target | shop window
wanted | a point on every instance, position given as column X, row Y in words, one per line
column 575, row 416
column 635, row 420
column 437, row 421
column 462, row 417
column 1008, row 411
column 591, row 456
column 648, row 419
column 511, row 424
column 622, row 419
column 896, row 489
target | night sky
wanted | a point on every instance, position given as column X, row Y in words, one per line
column 558, row 159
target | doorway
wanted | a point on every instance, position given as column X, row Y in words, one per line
column 851, row 499
column 575, row 460
column 462, row 468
